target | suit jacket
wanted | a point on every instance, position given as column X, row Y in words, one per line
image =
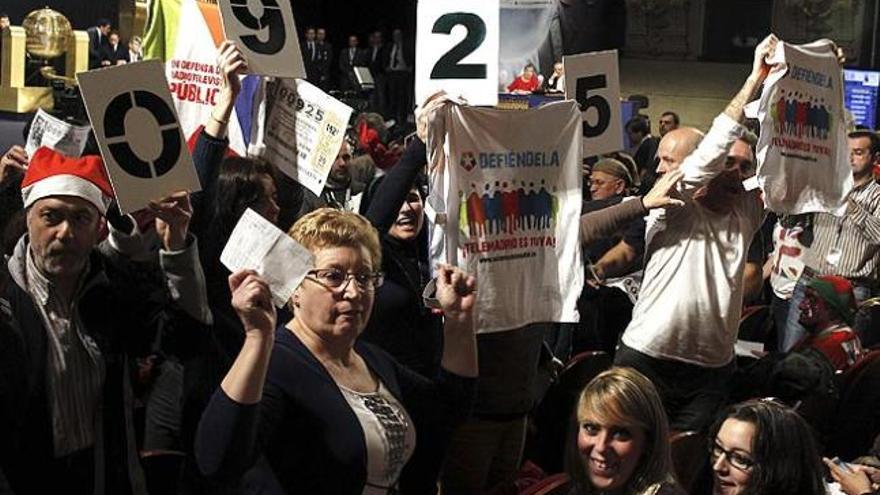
column 379, row 62
column 346, row 62
column 120, row 53
column 408, row 55
column 98, row 46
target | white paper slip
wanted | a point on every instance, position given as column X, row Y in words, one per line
column 746, row 348
column 256, row 244
column 52, row 132
column 304, row 132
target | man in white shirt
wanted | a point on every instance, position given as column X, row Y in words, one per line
column 685, row 322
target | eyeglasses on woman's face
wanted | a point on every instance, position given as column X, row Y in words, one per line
column 736, row 459
column 337, row 281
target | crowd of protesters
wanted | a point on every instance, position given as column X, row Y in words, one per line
column 133, row 361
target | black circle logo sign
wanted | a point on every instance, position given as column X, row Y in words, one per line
column 271, row 20
column 117, row 142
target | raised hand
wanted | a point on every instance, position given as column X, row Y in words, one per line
column 765, row 49
column 456, row 293
column 173, row 214
column 13, row 163
column 660, row 196
column 252, row 300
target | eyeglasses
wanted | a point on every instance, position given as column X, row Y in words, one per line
column 601, row 183
column 735, row 459
column 337, row 280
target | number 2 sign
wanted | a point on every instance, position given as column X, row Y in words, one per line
column 266, row 34
column 457, row 49
column 593, row 80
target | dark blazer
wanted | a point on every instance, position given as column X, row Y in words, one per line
column 98, row 47
column 379, row 63
column 120, row 53
column 305, row 430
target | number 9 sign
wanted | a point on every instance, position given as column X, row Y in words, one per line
column 266, row 34
column 592, row 79
column 457, row 50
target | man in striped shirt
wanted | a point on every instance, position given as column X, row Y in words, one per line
column 848, row 246
column 71, row 320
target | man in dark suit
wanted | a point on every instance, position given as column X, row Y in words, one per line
column 399, row 77
column 325, row 58
column 644, row 148
column 117, row 53
column 310, row 55
column 349, row 58
column 98, row 44
column 377, row 59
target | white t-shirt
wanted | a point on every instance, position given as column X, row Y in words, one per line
column 788, row 259
column 389, row 435
column 690, row 301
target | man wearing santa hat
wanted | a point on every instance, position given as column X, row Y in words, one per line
column 69, row 324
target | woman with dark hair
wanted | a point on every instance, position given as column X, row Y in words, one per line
column 622, row 440
column 762, row 447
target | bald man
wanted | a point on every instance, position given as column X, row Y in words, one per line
column 685, row 322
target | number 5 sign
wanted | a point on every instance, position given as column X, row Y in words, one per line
column 457, row 50
column 144, row 151
column 266, row 34
column 593, row 80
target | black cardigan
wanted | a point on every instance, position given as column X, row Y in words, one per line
column 306, row 430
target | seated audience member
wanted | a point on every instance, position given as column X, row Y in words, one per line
column 643, row 148
column 556, row 82
column 79, row 316
column 308, row 405
column 622, row 440
column 827, row 312
column 525, row 83
column 764, row 447
column 134, row 53
column 116, row 52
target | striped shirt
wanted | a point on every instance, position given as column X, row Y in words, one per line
column 849, row 246
column 74, row 368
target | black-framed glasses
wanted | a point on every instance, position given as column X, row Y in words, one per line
column 337, row 280
column 734, row 458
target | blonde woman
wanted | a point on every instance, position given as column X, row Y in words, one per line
column 622, row 441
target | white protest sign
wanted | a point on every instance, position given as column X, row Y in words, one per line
column 304, row 131
column 593, row 80
column 457, row 46
column 256, row 244
column 137, row 129
column 52, row 132
column 266, row 34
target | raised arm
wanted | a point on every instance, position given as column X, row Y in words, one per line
column 390, row 194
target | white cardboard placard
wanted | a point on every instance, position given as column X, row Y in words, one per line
column 138, row 131
column 265, row 32
column 593, row 80
column 457, row 43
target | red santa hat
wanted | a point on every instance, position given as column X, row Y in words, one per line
column 50, row 173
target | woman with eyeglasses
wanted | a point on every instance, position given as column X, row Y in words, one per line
column 764, row 447
column 622, row 440
column 308, row 407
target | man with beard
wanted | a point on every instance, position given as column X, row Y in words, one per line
column 75, row 318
